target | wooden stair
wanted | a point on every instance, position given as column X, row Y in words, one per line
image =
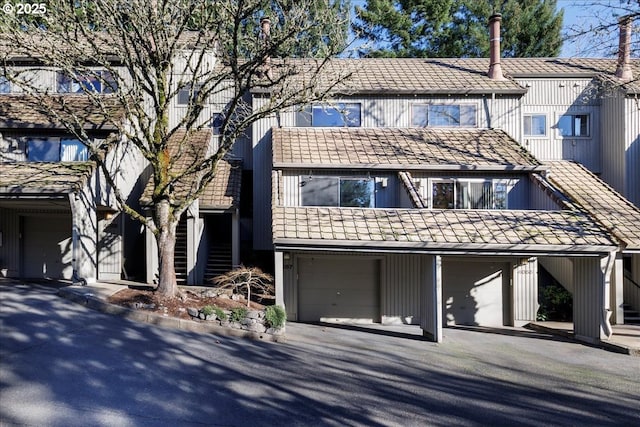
column 219, row 261
column 180, row 255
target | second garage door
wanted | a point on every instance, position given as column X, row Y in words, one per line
column 338, row 289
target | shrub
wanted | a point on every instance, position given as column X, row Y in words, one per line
column 238, row 313
column 275, row 316
column 207, row 310
column 556, row 303
column 220, row 314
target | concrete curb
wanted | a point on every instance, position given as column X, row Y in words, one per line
column 142, row 316
column 616, row 348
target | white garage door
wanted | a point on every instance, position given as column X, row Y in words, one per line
column 344, row 289
column 473, row 292
column 47, row 247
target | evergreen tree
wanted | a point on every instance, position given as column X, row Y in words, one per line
column 458, row 28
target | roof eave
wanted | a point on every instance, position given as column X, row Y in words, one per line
column 407, row 167
column 443, row 248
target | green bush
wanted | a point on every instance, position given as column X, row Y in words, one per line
column 207, row 310
column 556, row 303
column 275, row 316
column 238, row 313
column 220, row 314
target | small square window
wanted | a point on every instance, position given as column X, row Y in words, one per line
column 43, row 150
column 574, row 125
column 184, row 94
column 535, row 125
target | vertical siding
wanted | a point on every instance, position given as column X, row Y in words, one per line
column 587, row 299
column 613, row 141
column 10, row 248
column 262, row 160
column 555, row 97
column 400, row 289
column 525, row 291
column 632, row 154
column 561, row 269
column 539, row 199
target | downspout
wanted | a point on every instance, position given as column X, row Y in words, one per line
column 606, row 294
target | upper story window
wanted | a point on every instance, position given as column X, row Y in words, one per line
column 461, row 193
column 444, row 115
column 535, row 125
column 574, row 125
column 339, row 115
column 336, row 191
column 5, row 85
column 56, row 150
column 217, row 120
column 184, row 93
column 96, row 82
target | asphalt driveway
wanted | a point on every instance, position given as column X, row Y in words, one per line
column 64, row 365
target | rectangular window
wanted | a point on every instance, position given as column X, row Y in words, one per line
column 334, row 191
column 574, row 125
column 43, row 150
column 444, row 115
column 217, row 121
column 56, row 150
column 535, row 125
column 96, row 82
column 342, row 114
column 185, row 93
column 72, row 150
column 5, row 85
column 465, row 193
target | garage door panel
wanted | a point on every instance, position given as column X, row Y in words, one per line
column 47, row 247
column 338, row 289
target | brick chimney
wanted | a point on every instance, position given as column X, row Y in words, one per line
column 495, row 69
column 623, row 71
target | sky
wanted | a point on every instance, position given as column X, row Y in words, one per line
column 584, row 15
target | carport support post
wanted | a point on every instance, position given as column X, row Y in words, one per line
column 431, row 297
column 591, row 308
column 617, row 291
column 279, row 278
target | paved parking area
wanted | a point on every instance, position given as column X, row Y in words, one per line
column 64, row 365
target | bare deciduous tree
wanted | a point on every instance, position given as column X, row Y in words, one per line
column 250, row 278
column 143, row 55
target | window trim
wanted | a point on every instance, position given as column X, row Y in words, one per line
column 413, row 105
column 338, row 180
column 546, row 127
column 573, row 115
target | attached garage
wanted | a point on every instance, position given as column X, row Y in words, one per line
column 339, row 289
column 47, row 247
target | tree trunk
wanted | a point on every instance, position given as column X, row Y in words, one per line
column 166, row 239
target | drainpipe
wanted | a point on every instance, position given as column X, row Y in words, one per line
column 623, row 71
column 608, row 262
column 495, row 69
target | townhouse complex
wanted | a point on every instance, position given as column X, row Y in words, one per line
column 424, row 191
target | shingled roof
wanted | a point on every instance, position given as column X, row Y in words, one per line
column 35, row 178
column 439, row 230
column 433, row 76
column 25, row 111
column 399, row 148
column 188, row 150
column 608, row 207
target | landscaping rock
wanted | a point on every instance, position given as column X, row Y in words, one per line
column 256, row 327
column 253, row 314
column 193, row 312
